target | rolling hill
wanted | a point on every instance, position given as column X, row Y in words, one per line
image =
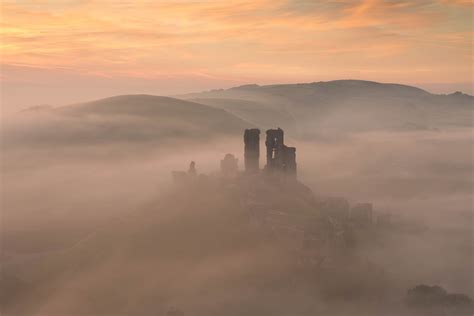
column 341, row 106
column 126, row 118
column 305, row 111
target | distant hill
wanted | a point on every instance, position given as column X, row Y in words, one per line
column 306, row 110
column 129, row 118
column 341, row 106
column 169, row 116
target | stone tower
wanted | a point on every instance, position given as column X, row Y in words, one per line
column 274, row 143
column 280, row 158
column 252, row 150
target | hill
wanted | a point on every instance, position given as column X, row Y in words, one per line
column 211, row 246
column 126, row 118
column 216, row 245
column 308, row 109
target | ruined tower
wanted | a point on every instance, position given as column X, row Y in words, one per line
column 280, row 158
column 252, row 150
column 289, row 160
column 274, row 143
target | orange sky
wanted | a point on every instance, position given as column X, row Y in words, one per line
column 183, row 45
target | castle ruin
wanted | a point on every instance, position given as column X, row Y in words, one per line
column 252, row 150
column 280, row 158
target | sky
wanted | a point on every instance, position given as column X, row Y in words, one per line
column 65, row 51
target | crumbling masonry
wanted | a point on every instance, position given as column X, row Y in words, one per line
column 280, row 158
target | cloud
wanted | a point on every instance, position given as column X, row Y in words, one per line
column 145, row 38
column 459, row 2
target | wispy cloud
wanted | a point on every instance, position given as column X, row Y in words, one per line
column 459, row 2
column 283, row 37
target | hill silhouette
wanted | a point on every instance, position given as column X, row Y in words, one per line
column 341, row 106
column 306, row 111
column 127, row 118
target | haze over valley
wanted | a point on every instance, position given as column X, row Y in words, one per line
column 93, row 223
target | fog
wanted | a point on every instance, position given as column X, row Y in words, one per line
column 93, row 223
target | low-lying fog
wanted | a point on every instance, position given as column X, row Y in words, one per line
column 58, row 193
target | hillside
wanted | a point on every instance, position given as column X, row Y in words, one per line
column 306, row 110
column 214, row 245
column 127, row 118
column 210, row 233
column 341, row 106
